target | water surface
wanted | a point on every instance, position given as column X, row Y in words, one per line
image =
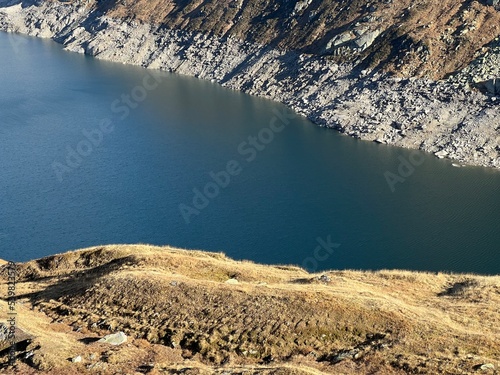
column 307, row 183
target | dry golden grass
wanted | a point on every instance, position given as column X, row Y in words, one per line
column 182, row 317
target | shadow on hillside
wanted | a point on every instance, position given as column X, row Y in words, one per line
column 459, row 288
column 24, row 3
column 76, row 282
column 89, row 340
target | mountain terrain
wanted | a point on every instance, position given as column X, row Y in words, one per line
column 194, row 312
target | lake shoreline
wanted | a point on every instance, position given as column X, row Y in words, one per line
column 445, row 118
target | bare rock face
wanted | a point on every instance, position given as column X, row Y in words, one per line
column 339, row 76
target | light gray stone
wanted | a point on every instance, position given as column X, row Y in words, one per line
column 114, row 339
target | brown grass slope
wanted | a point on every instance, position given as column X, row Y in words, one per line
column 418, row 38
column 181, row 316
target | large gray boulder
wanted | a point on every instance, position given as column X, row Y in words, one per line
column 114, row 339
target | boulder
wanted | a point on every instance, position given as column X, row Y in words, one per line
column 487, row 366
column 441, row 154
column 301, row 5
column 367, row 39
column 114, row 339
column 324, row 278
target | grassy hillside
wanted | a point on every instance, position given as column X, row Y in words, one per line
column 182, row 316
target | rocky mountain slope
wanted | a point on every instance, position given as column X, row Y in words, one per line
column 189, row 312
column 420, row 75
column 431, row 38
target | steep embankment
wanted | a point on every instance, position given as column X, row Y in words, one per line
column 331, row 61
column 181, row 315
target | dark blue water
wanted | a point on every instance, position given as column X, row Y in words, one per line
column 300, row 194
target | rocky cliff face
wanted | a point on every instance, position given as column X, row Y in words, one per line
column 412, row 74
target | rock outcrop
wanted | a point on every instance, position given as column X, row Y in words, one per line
column 332, row 67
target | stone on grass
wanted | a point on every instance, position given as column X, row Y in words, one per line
column 487, row 366
column 114, row 339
